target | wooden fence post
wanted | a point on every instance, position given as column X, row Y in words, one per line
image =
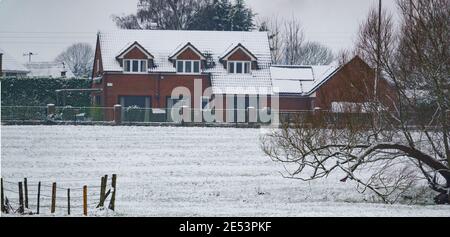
column 3, row 198
column 25, row 185
column 113, row 196
column 38, row 196
column 53, row 207
column 21, row 208
column 103, row 191
column 68, row 201
column 85, row 200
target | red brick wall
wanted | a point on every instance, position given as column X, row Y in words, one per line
column 148, row 85
column 188, row 54
column 239, row 55
column 135, row 53
column 353, row 83
column 294, row 103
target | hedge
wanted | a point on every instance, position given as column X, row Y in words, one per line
column 42, row 91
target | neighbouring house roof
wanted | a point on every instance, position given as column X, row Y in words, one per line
column 164, row 43
column 10, row 65
column 48, row 69
column 302, row 80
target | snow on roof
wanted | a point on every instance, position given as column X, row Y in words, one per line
column 300, row 79
column 162, row 43
column 48, row 69
column 9, row 64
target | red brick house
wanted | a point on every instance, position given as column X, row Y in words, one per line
column 306, row 88
column 142, row 68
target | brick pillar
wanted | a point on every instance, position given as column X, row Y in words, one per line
column 51, row 109
column 117, row 114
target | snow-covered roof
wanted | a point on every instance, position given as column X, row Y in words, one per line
column 302, row 80
column 10, row 65
column 163, row 43
column 48, row 69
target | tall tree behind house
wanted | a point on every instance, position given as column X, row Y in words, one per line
column 220, row 15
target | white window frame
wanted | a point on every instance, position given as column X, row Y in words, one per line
column 192, row 67
column 140, row 62
column 243, row 67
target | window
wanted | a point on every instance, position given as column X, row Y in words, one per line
column 237, row 67
column 143, row 66
column 135, row 66
column 196, row 66
column 188, row 66
column 180, row 67
column 231, row 67
column 246, row 68
column 127, row 65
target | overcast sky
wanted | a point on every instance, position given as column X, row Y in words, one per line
column 46, row 27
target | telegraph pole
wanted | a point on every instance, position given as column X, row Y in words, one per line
column 378, row 70
column 29, row 54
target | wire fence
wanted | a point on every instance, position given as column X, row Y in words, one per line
column 48, row 198
column 137, row 115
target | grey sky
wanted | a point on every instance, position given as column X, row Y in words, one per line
column 46, row 27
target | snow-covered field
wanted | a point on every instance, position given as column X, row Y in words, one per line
column 164, row 171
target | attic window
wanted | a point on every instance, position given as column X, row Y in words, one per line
column 239, row 67
column 188, row 66
column 135, row 66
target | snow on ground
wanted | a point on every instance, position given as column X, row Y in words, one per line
column 168, row 171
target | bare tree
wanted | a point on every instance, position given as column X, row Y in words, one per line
column 368, row 45
column 273, row 25
column 128, row 22
column 288, row 46
column 79, row 58
column 293, row 39
column 343, row 56
column 409, row 143
column 314, row 53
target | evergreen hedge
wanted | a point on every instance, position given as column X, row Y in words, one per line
column 42, row 91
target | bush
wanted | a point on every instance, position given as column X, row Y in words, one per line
column 42, row 91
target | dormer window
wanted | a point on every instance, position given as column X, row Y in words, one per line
column 135, row 59
column 239, row 60
column 188, row 66
column 187, row 59
column 135, row 66
column 239, row 67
